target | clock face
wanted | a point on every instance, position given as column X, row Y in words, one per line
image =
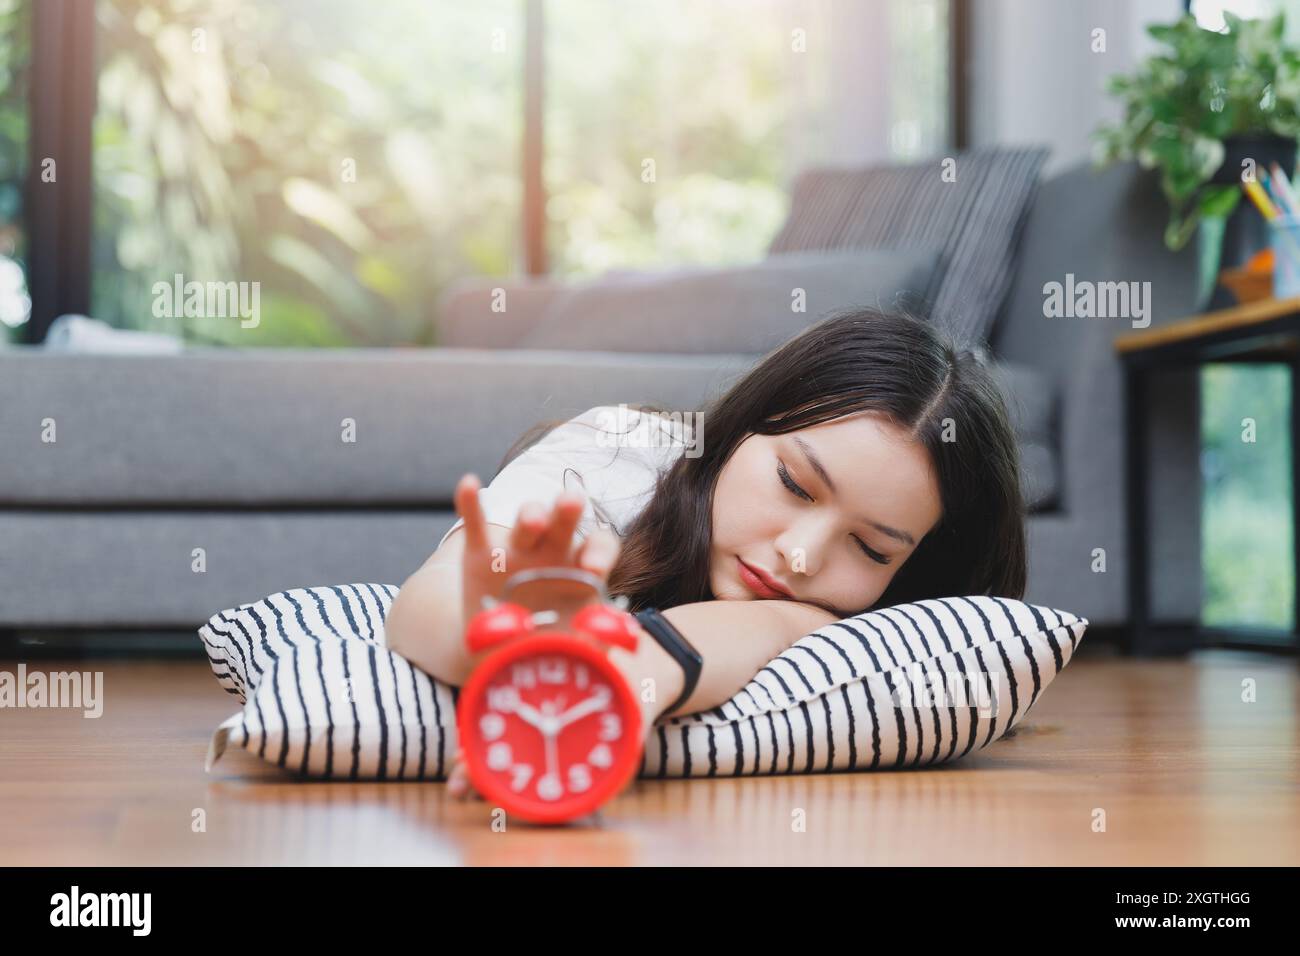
column 549, row 727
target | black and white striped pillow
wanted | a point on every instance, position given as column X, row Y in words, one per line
column 974, row 215
column 323, row 697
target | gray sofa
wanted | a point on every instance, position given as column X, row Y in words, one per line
column 180, row 485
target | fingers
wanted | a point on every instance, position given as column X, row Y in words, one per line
column 458, row 782
column 599, row 552
column 530, row 523
column 564, row 521
column 458, row 779
column 549, row 529
column 469, row 508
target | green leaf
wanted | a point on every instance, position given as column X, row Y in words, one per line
column 1201, row 88
column 1180, row 230
column 1162, row 32
column 1206, row 157
column 1218, row 202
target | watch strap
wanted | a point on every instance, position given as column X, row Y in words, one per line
column 678, row 647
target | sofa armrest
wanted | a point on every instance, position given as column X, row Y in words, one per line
column 466, row 317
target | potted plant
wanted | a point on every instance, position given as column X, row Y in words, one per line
column 1198, row 112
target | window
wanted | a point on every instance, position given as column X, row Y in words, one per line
column 673, row 128
column 351, row 160
column 1246, row 527
column 664, row 138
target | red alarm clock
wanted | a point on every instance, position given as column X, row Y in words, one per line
column 549, row 727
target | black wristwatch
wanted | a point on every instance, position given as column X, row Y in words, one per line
column 682, row 651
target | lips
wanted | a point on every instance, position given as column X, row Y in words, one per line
column 760, row 583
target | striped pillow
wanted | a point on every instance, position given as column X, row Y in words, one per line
column 975, row 220
column 323, row 697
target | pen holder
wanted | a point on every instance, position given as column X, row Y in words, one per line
column 1285, row 233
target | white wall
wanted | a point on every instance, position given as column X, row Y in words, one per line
column 1034, row 77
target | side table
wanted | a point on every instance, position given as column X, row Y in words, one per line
column 1256, row 332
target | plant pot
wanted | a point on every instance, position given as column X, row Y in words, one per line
column 1229, row 244
column 1246, row 232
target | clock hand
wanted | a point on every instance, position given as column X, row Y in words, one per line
column 529, row 715
column 552, row 757
column 578, row 711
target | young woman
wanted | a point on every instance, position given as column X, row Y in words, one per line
column 866, row 462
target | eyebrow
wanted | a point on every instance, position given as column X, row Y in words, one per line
column 818, row 467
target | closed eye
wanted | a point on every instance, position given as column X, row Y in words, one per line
column 798, row 492
column 790, row 482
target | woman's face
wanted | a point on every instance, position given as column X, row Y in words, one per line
column 833, row 535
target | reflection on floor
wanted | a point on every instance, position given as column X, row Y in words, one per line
column 1167, row 755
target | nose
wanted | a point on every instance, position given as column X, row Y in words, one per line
column 802, row 546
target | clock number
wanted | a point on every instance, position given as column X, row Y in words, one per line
column 552, row 671
column 611, row 728
column 522, row 675
column 549, row 787
column 499, row 756
column 491, row 726
column 522, row 774
column 502, row 698
column 579, row 777
column 601, row 756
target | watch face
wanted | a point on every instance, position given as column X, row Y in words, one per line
column 549, row 728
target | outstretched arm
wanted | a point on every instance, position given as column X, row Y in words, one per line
column 427, row 619
column 735, row 638
column 426, row 623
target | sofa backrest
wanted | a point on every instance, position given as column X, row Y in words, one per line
column 1105, row 226
column 1099, row 226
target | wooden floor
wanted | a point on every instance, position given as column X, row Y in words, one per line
column 1185, row 772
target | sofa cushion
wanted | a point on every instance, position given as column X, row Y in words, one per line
column 486, row 313
column 915, row 684
column 741, row 309
column 975, row 219
column 270, row 426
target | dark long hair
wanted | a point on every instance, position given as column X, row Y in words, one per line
column 855, row 361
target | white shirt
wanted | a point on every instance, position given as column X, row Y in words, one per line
column 611, row 453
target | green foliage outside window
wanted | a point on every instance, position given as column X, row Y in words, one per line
column 1246, row 508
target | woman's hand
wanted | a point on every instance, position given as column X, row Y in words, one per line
column 542, row 537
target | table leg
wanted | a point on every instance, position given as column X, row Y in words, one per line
column 1135, row 495
column 1294, row 415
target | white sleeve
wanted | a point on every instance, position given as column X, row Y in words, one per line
column 583, row 454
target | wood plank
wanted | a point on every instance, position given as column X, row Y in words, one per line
column 1187, row 774
column 1237, row 317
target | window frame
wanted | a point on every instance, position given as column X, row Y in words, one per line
column 56, row 215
